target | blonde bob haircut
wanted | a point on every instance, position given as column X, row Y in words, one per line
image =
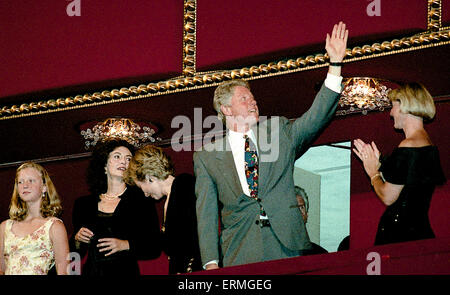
column 224, row 93
column 149, row 161
column 414, row 99
column 50, row 203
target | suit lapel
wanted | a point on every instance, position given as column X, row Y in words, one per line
column 225, row 159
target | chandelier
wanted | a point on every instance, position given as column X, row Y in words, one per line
column 118, row 128
column 363, row 94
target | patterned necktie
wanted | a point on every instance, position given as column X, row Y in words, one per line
column 251, row 171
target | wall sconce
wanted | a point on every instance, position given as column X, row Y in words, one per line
column 363, row 94
column 118, row 128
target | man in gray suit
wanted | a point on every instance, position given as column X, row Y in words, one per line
column 244, row 181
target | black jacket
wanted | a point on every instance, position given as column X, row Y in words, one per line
column 136, row 221
column 181, row 238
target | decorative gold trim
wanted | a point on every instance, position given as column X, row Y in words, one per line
column 189, row 37
column 434, row 17
column 208, row 79
column 192, row 80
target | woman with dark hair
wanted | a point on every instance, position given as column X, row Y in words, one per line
column 405, row 180
column 116, row 224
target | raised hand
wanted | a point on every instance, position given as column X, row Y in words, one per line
column 336, row 44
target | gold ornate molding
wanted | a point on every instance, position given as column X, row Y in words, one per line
column 191, row 80
column 434, row 15
column 189, row 37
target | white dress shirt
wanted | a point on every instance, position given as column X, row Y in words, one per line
column 333, row 82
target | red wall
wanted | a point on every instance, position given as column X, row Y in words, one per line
column 250, row 30
column 430, row 257
column 43, row 48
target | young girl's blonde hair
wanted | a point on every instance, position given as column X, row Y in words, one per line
column 50, row 205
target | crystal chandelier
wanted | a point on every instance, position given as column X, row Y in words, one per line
column 363, row 94
column 118, row 128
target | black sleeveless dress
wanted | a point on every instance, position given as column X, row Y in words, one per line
column 419, row 170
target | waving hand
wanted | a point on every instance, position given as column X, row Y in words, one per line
column 336, row 44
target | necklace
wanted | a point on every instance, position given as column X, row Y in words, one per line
column 112, row 198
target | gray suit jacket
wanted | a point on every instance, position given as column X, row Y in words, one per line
column 220, row 196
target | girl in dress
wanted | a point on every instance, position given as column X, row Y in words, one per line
column 33, row 240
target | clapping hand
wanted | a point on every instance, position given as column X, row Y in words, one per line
column 369, row 155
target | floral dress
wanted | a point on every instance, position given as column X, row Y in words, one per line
column 32, row 254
